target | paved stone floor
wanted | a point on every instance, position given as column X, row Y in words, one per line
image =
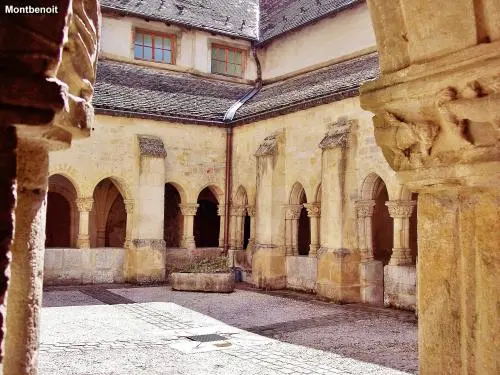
column 145, row 330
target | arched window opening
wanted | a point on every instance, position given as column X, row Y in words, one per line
column 304, row 230
column 206, row 221
column 246, row 231
column 382, row 224
column 172, row 219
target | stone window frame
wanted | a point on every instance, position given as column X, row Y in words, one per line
column 227, row 49
column 153, row 33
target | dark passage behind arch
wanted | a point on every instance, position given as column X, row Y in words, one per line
column 58, row 226
column 206, row 221
column 304, row 230
column 246, row 231
column 413, row 231
column 382, row 226
column 172, row 217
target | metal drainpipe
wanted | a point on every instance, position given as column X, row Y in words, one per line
column 228, row 118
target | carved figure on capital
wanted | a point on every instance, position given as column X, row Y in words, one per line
column 129, row 205
column 251, row 211
column 84, row 204
column 238, row 211
column 221, row 210
column 189, row 209
column 292, row 212
column 400, row 208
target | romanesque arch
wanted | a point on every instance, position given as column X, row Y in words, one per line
column 172, row 215
column 108, row 218
column 207, row 220
column 62, row 214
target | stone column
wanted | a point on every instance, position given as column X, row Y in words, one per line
column 221, row 213
column 240, row 226
column 401, row 212
column 371, row 272
column 26, row 281
column 237, row 258
column 437, row 106
column 129, row 208
column 84, row 206
column 314, row 213
column 189, row 211
column 292, row 215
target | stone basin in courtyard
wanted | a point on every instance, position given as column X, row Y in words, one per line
column 203, row 282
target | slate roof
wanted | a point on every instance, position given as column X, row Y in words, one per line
column 233, row 17
column 259, row 20
column 336, row 82
column 139, row 91
column 279, row 16
column 126, row 89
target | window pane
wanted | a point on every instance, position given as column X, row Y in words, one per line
column 237, row 70
column 231, row 69
column 138, row 38
column 148, row 40
column 167, row 56
column 238, row 57
column 221, row 55
column 158, row 54
column 214, row 66
column 148, row 53
column 214, row 52
column 138, row 52
column 158, row 41
column 167, row 43
column 230, row 56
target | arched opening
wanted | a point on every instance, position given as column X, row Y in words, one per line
column 382, row 224
column 172, row 217
column 62, row 215
column 206, row 221
column 413, row 231
column 304, row 230
column 241, row 200
column 108, row 216
column 246, row 231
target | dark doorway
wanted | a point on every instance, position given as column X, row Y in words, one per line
column 382, row 226
column 304, row 230
column 206, row 221
column 172, row 219
column 246, row 231
column 116, row 224
column 58, row 226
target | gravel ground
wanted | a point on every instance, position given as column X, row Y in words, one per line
column 141, row 331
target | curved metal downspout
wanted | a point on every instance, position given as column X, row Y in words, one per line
column 228, row 118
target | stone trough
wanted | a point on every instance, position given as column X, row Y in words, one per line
column 203, row 282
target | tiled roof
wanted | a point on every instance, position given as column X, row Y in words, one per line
column 280, row 16
column 234, row 17
column 130, row 90
column 325, row 85
column 144, row 91
column 250, row 19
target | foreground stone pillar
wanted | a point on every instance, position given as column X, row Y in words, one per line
column 371, row 271
column 189, row 212
column 338, row 265
column 314, row 213
column 221, row 213
column 401, row 212
column 8, row 143
column 26, row 281
column 84, row 206
column 437, row 111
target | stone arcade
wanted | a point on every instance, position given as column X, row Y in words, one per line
column 310, row 202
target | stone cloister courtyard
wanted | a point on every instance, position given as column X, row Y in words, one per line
column 125, row 329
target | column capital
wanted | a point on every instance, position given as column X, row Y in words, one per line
column 364, row 208
column 251, row 211
column 313, row 209
column 221, row 209
column 129, row 205
column 189, row 209
column 400, row 209
column 292, row 211
column 238, row 210
column 84, row 204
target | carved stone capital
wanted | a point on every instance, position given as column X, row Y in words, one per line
column 84, row 204
column 238, row 210
column 364, row 208
column 221, row 209
column 313, row 209
column 189, row 209
column 292, row 211
column 129, row 205
column 251, row 211
column 398, row 209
